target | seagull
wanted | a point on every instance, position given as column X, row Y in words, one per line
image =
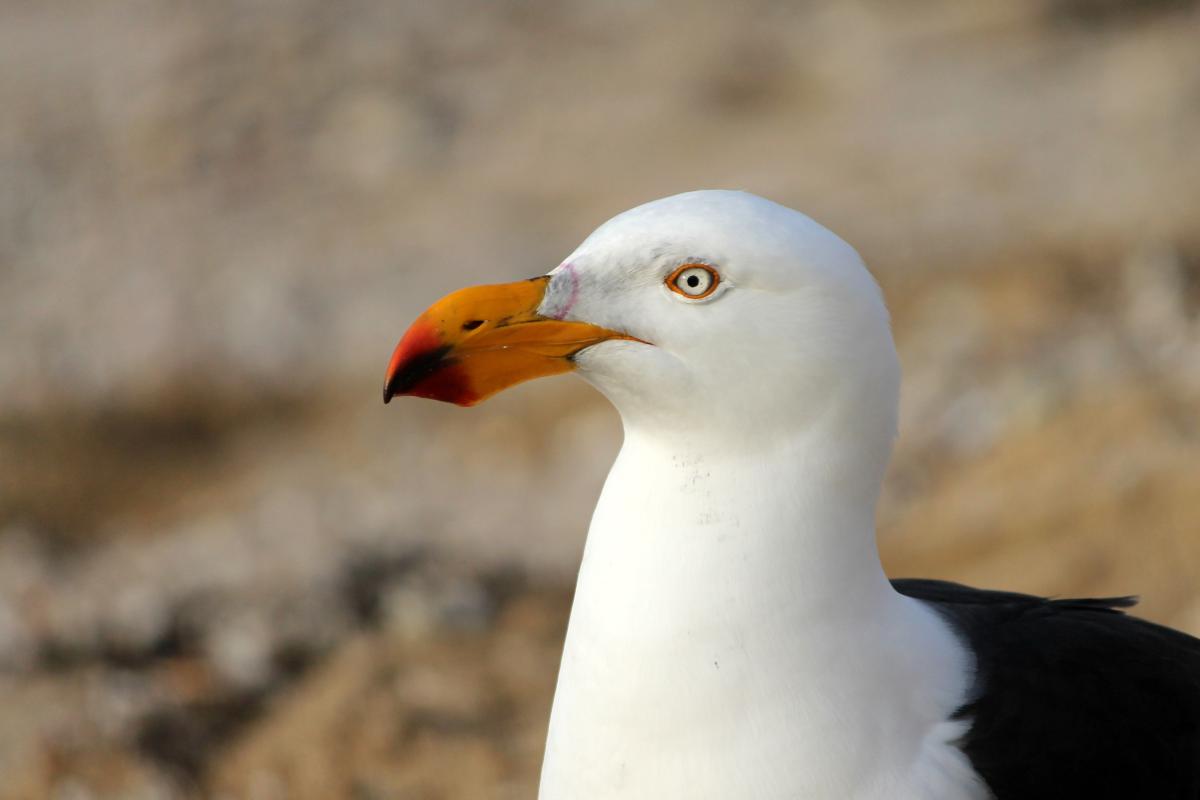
column 733, row 634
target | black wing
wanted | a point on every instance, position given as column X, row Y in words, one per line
column 1074, row 699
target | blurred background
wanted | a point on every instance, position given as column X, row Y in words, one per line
column 227, row 570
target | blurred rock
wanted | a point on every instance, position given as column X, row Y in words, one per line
column 1161, row 311
column 417, row 608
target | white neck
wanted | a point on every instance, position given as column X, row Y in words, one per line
column 734, row 635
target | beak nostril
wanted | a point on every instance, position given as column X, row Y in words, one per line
column 471, row 325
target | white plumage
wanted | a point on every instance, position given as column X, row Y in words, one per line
column 733, row 633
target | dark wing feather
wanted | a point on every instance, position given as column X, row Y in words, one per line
column 1073, row 698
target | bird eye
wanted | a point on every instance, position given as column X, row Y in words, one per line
column 694, row 281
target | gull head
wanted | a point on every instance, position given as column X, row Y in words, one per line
column 705, row 314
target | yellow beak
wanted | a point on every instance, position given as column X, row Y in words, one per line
column 475, row 342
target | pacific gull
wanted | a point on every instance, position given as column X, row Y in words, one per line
column 733, row 634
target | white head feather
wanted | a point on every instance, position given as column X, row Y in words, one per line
column 796, row 337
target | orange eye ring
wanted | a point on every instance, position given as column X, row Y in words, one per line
column 688, row 281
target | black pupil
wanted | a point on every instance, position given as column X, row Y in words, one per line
column 693, row 281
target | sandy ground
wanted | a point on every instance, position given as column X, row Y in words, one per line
column 226, row 570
